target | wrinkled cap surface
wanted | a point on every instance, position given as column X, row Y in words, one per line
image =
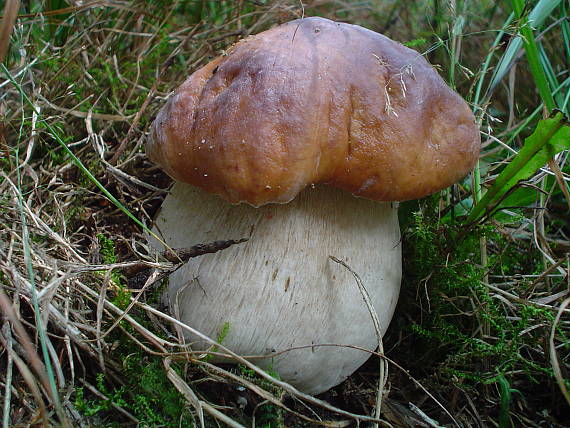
column 316, row 101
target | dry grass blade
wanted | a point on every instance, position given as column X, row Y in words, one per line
column 66, row 10
column 183, row 387
column 560, row 180
column 383, row 371
column 8, row 345
column 100, row 307
column 554, row 358
column 84, row 115
column 262, row 373
column 187, row 392
column 30, row 381
column 265, row 394
column 11, row 8
column 26, row 342
column 151, row 280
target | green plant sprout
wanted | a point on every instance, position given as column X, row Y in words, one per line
column 551, row 136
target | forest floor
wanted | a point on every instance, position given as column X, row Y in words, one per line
column 480, row 336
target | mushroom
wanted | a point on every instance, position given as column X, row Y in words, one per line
column 306, row 131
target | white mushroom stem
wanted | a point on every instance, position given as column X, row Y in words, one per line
column 280, row 289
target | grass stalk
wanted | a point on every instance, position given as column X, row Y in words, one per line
column 479, row 111
column 11, row 8
column 41, row 329
column 55, row 135
column 536, row 67
column 8, row 385
column 565, row 27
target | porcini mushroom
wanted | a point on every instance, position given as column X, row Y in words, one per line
column 297, row 121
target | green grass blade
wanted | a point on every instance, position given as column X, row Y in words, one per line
column 565, row 26
column 550, row 76
column 551, row 136
column 487, row 62
column 505, row 404
column 547, row 66
column 540, row 12
column 560, row 90
column 537, row 68
column 565, row 102
column 477, row 191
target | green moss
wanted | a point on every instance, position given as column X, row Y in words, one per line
column 416, row 43
column 122, row 296
column 468, row 331
column 148, row 395
column 221, row 337
column 146, row 391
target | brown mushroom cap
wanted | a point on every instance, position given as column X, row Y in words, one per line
column 316, row 101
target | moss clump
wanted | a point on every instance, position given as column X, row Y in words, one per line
column 467, row 329
column 122, row 296
column 147, row 395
